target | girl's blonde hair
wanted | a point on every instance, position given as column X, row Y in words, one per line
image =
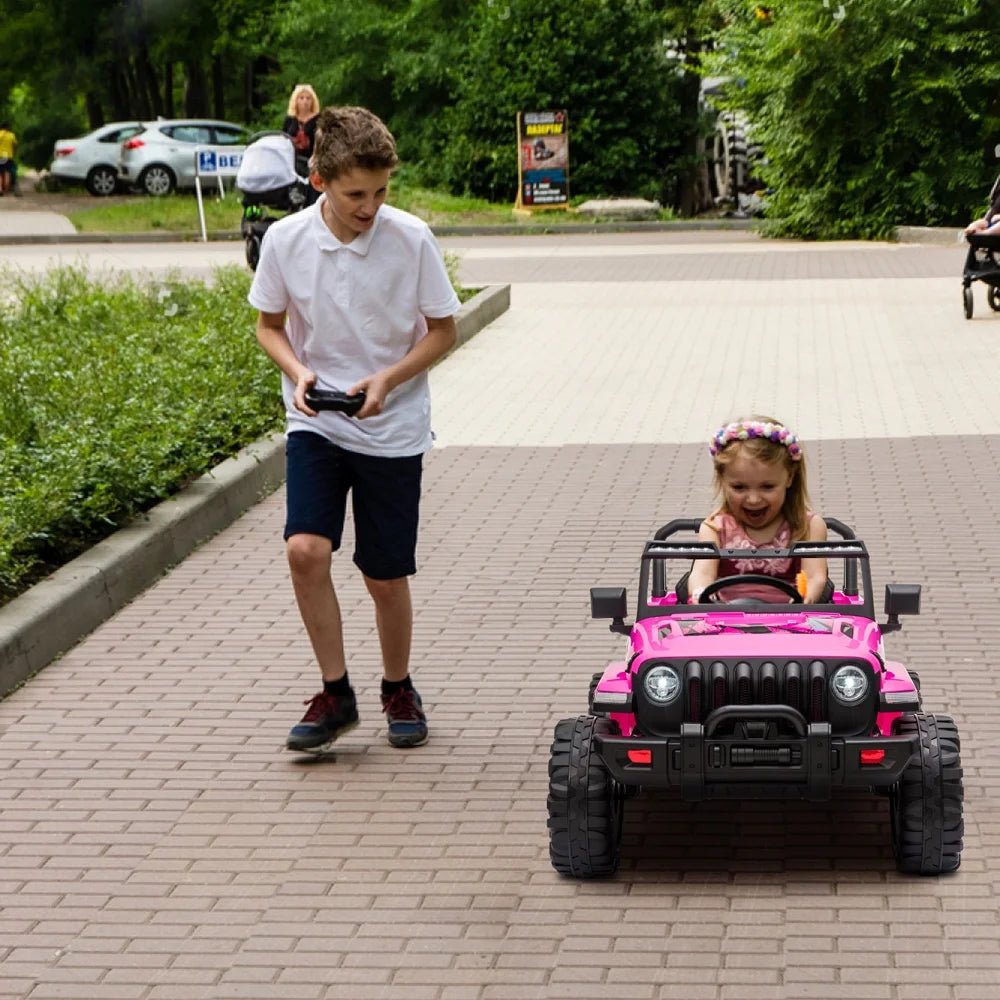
column 302, row 88
column 771, row 450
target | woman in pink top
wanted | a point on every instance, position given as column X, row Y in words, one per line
column 760, row 478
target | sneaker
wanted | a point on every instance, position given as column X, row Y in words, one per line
column 407, row 722
column 327, row 718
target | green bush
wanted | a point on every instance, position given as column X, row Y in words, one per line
column 871, row 113
column 112, row 397
column 606, row 64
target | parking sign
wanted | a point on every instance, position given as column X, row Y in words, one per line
column 217, row 163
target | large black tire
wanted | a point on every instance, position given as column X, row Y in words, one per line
column 594, row 681
column 584, row 801
column 925, row 805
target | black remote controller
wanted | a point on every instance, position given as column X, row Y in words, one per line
column 334, row 399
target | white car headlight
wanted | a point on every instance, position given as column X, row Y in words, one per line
column 661, row 684
column 849, row 684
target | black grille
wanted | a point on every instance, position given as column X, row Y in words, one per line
column 802, row 686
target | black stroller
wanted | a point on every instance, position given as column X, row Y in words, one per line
column 267, row 179
column 981, row 263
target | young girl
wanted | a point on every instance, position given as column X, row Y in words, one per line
column 760, row 478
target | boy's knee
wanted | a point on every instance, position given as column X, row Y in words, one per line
column 308, row 554
column 387, row 591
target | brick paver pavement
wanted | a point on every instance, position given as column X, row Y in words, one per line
column 157, row 843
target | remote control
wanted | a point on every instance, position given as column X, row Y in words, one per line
column 334, row 399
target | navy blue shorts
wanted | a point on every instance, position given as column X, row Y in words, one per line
column 385, row 500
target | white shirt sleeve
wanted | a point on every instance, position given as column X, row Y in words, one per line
column 269, row 293
column 435, row 295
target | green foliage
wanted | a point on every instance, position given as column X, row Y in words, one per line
column 872, row 113
column 605, row 63
column 397, row 57
column 113, row 397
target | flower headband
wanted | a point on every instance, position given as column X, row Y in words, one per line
column 744, row 430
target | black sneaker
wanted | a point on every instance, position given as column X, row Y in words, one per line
column 327, row 718
column 407, row 722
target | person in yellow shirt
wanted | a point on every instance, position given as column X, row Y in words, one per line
column 8, row 147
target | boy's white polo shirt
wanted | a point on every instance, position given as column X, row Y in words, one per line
column 354, row 309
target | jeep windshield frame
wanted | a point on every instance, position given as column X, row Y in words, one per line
column 659, row 551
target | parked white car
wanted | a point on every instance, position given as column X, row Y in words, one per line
column 92, row 159
column 161, row 158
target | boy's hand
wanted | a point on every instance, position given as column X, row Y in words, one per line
column 375, row 388
column 305, row 381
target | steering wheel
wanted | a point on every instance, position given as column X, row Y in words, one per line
column 783, row 586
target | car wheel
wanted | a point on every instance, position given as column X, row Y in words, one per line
column 102, row 181
column 925, row 805
column 157, row 180
column 993, row 297
column 967, row 302
column 585, row 803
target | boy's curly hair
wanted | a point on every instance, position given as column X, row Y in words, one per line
column 350, row 137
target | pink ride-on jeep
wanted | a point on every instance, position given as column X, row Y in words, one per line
column 750, row 699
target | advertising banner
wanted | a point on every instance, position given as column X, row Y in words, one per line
column 543, row 159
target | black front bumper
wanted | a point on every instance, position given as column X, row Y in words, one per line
column 705, row 765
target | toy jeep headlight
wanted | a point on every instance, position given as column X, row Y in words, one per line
column 661, row 685
column 849, row 685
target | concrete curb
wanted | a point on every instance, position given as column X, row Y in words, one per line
column 512, row 229
column 934, row 235
column 55, row 614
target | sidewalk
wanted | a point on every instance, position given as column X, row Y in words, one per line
column 156, row 842
column 28, row 225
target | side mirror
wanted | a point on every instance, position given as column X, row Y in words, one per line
column 610, row 602
column 900, row 599
column 996, row 151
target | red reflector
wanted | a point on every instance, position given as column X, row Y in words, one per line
column 64, row 152
column 134, row 144
column 872, row 756
column 640, row 756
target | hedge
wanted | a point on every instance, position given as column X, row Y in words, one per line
column 114, row 396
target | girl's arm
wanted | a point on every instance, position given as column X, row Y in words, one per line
column 815, row 569
column 704, row 571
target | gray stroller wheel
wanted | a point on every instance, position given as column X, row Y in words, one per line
column 993, row 297
column 967, row 302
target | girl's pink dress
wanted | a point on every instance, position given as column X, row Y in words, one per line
column 733, row 536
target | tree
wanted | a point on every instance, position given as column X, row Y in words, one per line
column 872, row 113
column 79, row 64
column 605, row 62
column 396, row 57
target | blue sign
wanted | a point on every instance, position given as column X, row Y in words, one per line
column 214, row 162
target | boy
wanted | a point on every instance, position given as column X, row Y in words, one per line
column 353, row 295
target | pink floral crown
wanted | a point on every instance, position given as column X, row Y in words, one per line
column 745, row 430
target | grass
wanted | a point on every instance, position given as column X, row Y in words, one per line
column 178, row 213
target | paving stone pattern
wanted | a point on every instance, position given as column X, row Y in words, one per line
column 157, row 843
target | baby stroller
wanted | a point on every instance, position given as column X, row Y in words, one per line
column 981, row 263
column 267, row 180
